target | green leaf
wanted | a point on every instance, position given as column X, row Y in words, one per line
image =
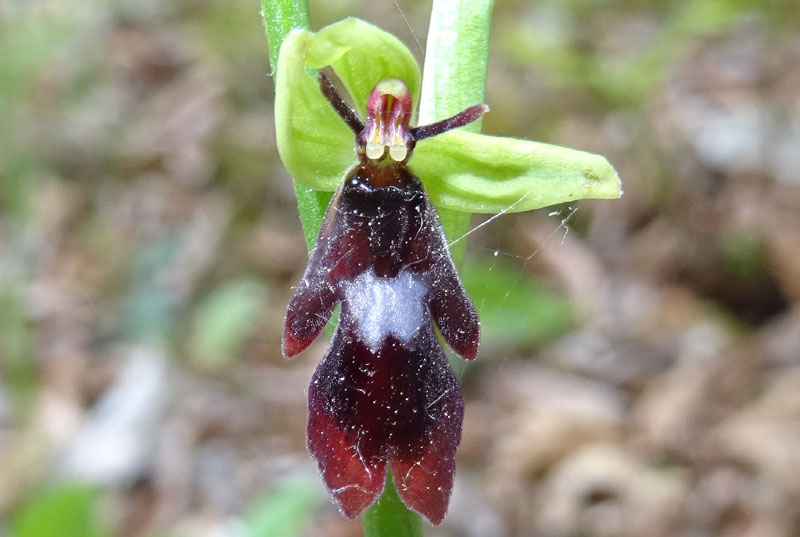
column 515, row 310
column 65, row 511
column 223, row 320
column 148, row 308
column 462, row 171
column 489, row 174
column 314, row 143
column 283, row 512
column 16, row 346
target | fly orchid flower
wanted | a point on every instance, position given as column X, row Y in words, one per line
column 383, row 396
column 384, row 393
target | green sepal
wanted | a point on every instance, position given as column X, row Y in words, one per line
column 477, row 173
column 461, row 170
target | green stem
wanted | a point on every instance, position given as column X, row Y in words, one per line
column 454, row 77
column 389, row 517
column 281, row 17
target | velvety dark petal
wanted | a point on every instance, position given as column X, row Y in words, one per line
column 425, row 482
column 309, row 310
column 341, row 252
column 354, row 481
column 451, row 307
column 456, row 317
column 398, row 402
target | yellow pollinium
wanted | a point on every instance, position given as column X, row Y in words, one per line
column 398, row 152
column 383, row 136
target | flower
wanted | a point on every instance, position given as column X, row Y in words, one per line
column 383, row 394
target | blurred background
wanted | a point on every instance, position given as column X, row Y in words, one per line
column 640, row 367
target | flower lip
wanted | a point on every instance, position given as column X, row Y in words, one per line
column 383, row 397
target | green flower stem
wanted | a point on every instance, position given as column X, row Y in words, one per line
column 281, row 17
column 454, row 77
column 389, row 517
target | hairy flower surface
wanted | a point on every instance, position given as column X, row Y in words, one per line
column 384, row 393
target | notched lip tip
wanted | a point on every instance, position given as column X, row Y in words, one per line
column 289, row 347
